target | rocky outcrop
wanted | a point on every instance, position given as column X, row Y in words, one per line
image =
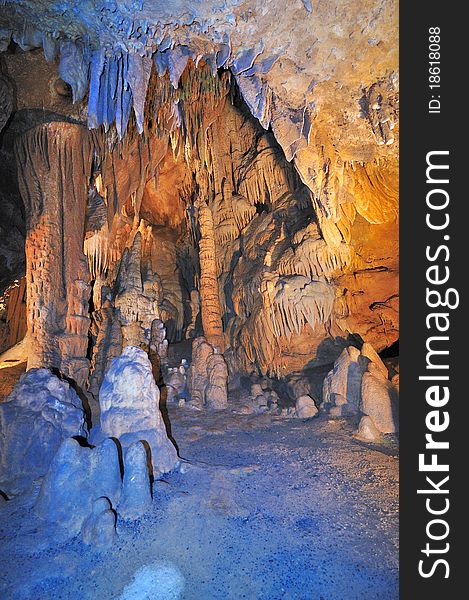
column 129, row 403
column 39, row 414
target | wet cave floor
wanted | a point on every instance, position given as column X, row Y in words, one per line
column 263, row 509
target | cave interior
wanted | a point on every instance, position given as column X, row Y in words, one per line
column 199, row 289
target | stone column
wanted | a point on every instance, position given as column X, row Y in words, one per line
column 54, row 165
column 209, row 292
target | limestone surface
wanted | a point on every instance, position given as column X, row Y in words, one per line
column 99, row 528
column 306, row 407
column 367, row 430
column 208, row 376
column 342, row 386
column 275, row 209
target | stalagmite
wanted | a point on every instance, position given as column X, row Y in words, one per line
column 288, row 259
column 13, row 319
column 195, row 310
column 208, row 376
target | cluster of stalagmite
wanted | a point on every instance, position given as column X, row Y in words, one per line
column 359, row 384
column 208, row 376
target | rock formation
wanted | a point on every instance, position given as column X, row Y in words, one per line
column 136, row 491
column 176, row 383
column 99, row 528
column 359, row 383
column 77, row 477
column 13, row 315
column 342, row 386
column 39, row 414
column 197, row 197
column 367, row 430
column 379, row 399
column 209, row 294
column 80, row 489
column 6, row 98
column 129, row 403
column 208, row 376
column 83, row 489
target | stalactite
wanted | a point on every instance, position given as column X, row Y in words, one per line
column 299, row 300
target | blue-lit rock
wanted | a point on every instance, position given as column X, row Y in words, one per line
column 99, row 528
column 136, row 495
column 40, row 413
column 77, row 477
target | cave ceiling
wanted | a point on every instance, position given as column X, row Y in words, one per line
column 295, row 63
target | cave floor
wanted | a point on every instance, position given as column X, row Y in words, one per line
column 264, row 509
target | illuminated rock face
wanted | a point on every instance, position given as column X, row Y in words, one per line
column 278, row 245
